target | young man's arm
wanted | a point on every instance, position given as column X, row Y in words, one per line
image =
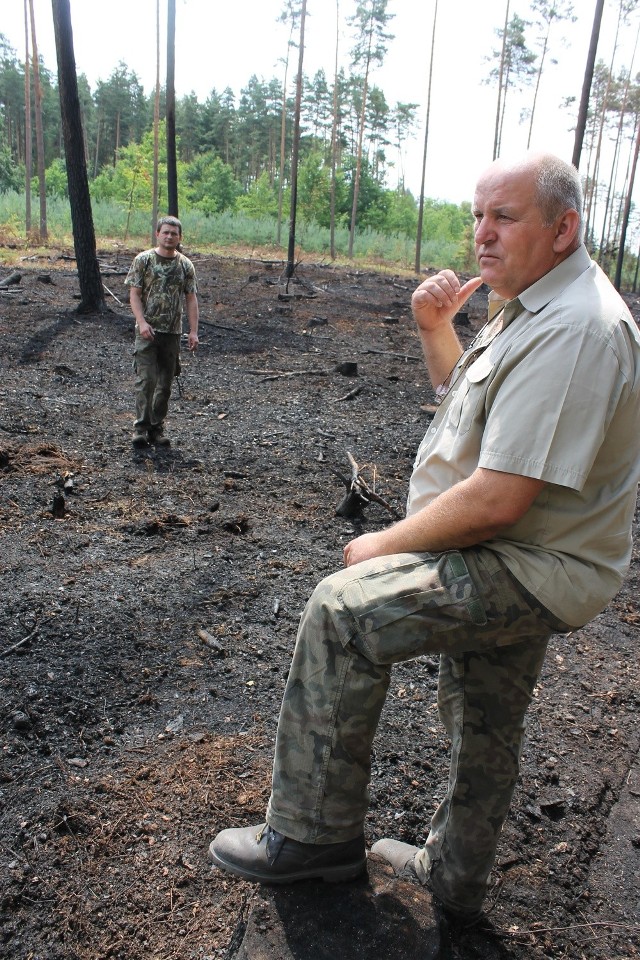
column 193, row 316
column 135, row 299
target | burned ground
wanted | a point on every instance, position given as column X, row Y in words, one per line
column 150, row 603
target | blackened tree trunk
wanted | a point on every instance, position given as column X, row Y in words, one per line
column 172, row 163
column 156, row 132
column 84, row 238
column 334, row 139
column 625, row 216
column 291, row 14
column 295, row 150
column 586, row 86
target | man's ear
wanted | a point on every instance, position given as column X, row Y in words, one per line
column 566, row 231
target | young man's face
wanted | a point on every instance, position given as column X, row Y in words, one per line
column 168, row 237
column 513, row 246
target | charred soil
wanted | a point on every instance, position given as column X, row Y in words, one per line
column 150, row 606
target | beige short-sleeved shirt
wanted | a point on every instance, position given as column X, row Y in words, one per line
column 555, row 396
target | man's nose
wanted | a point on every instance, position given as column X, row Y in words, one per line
column 484, row 231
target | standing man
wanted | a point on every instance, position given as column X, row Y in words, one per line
column 518, row 525
column 158, row 279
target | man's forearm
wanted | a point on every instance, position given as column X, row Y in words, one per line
column 434, row 305
column 472, row 511
column 135, row 301
column 442, row 350
column 193, row 313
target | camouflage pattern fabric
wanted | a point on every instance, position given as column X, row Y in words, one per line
column 155, row 363
column 163, row 281
column 492, row 638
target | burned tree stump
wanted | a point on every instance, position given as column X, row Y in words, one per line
column 359, row 495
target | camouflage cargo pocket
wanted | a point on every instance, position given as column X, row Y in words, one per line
column 404, row 607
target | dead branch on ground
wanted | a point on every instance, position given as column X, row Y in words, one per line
column 348, row 396
column 19, row 644
column 359, row 494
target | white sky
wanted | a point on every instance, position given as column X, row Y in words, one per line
column 221, row 44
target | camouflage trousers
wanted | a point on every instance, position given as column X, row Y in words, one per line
column 491, row 636
column 155, row 363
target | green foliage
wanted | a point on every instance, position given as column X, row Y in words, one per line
column 243, row 228
column 229, row 164
column 260, row 200
column 314, row 191
column 210, row 184
column 11, row 174
column 129, row 182
column 55, row 178
column 402, row 213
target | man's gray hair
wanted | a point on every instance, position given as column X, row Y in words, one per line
column 170, row 222
column 558, row 188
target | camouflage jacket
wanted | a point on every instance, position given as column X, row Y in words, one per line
column 163, row 281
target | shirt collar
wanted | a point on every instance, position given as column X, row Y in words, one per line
column 540, row 293
column 509, row 310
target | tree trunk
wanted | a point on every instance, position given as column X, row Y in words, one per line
column 334, row 141
column 498, row 126
column 537, row 87
column 295, row 150
column 358, row 170
column 28, row 144
column 586, row 86
column 172, row 163
column 95, row 163
column 283, row 132
column 156, row 132
column 591, row 204
column 426, row 141
column 625, row 217
column 116, row 148
column 84, row 239
column 39, row 131
column 608, row 217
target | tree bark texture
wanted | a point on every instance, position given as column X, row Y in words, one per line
column 84, row 238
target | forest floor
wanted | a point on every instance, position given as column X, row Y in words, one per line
column 151, row 600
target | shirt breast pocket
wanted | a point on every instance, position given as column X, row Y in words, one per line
column 472, row 393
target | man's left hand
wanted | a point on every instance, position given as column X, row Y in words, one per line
column 366, row 547
column 193, row 341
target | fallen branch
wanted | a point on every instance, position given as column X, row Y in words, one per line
column 19, row 644
column 111, row 294
column 349, row 396
column 612, row 928
column 398, row 356
column 295, row 373
column 221, row 326
column 12, row 279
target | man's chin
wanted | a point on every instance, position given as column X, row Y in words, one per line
column 490, row 275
